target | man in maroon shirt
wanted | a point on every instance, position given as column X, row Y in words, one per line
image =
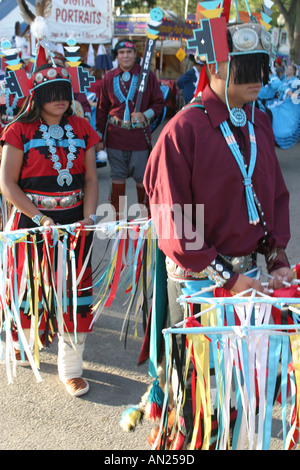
column 126, row 133
column 193, row 165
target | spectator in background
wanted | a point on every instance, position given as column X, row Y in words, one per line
column 289, row 81
column 278, row 67
column 98, row 74
column 126, row 133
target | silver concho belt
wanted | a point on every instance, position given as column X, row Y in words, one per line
column 50, row 202
column 240, row 264
column 126, row 124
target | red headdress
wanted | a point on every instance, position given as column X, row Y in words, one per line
column 16, row 79
column 210, row 40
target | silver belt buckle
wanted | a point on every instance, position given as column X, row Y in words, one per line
column 126, row 124
column 33, row 198
column 48, row 203
column 170, row 265
column 67, row 201
column 241, row 264
column 175, row 270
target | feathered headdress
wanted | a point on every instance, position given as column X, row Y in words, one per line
column 37, row 22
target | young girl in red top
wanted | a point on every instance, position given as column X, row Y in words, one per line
column 48, row 173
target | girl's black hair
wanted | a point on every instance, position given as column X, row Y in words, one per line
column 46, row 93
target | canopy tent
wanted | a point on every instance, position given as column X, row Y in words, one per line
column 87, row 23
column 10, row 15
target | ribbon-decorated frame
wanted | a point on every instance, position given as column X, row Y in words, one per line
column 242, row 363
column 129, row 267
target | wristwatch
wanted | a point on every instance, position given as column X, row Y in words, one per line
column 93, row 217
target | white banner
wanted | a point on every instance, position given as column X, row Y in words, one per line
column 87, row 21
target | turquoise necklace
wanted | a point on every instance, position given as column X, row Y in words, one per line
column 55, row 132
column 251, row 198
column 10, row 107
column 130, row 94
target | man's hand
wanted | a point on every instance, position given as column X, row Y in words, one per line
column 280, row 277
column 137, row 118
column 244, row 283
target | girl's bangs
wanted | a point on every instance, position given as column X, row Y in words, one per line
column 55, row 91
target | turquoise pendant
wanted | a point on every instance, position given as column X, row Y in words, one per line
column 56, row 132
column 238, row 117
column 64, row 177
column 126, row 76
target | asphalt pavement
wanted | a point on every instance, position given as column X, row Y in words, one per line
column 42, row 416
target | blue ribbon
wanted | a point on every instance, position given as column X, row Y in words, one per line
column 284, row 373
column 130, row 95
column 274, row 355
column 232, row 144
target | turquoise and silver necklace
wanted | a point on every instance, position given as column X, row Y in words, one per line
column 55, row 132
column 251, row 198
column 130, row 93
column 10, row 108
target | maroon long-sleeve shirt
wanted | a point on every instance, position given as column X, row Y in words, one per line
column 191, row 164
column 109, row 105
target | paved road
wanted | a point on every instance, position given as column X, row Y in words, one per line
column 42, row 416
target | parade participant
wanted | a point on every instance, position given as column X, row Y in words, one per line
column 290, row 82
column 126, row 133
column 280, row 100
column 10, row 105
column 48, row 172
column 189, row 80
column 206, row 157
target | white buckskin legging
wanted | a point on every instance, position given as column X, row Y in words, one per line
column 70, row 354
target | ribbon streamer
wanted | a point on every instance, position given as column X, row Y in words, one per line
column 245, row 368
column 41, row 286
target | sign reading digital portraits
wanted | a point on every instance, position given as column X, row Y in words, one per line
column 87, row 21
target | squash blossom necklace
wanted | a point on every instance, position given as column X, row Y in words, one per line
column 50, row 135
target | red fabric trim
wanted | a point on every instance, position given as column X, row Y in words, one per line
column 54, row 194
column 116, row 274
column 203, row 81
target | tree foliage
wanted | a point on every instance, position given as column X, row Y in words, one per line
column 291, row 12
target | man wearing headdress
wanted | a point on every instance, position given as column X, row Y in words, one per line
column 127, row 133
